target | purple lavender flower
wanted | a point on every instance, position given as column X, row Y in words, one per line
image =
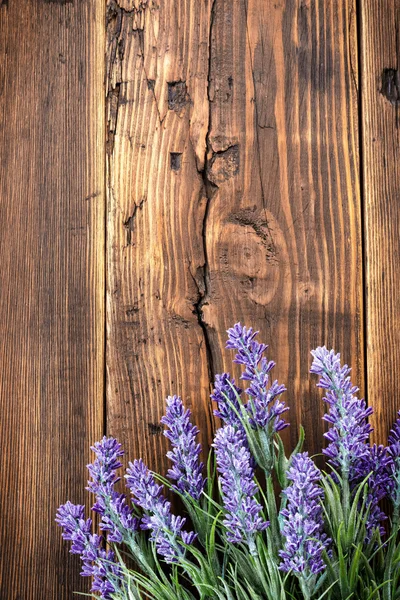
column 166, row 529
column 226, row 394
column 186, row 470
column 377, row 464
column 302, row 523
column 97, row 562
column 347, row 414
column 394, row 452
column 264, row 407
column 379, row 484
column 234, row 465
column 116, row 516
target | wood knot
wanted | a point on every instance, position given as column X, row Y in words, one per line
column 224, row 165
column 178, row 95
column 154, row 429
column 391, row 85
column 175, row 160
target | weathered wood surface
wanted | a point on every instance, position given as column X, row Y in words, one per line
column 232, row 172
column 158, row 118
column 233, row 195
column 52, row 282
column 381, row 176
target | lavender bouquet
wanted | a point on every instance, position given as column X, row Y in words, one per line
column 258, row 524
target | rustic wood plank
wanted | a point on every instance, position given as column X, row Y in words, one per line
column 52, row 282
column 233, row 194
column 157, row 123
column 380, row 88
column 283, row 230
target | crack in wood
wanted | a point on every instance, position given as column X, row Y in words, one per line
column 130, row 222
column 209, row 189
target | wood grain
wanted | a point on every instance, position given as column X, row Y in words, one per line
column 283, row 233
column 380, row 52
column 158, row 115
column 233, row 195
column 52, row 282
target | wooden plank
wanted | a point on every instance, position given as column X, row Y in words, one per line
column 380, row 88
column 157, row 123
column 233, row 195
column 283, row 232
column 52, row 282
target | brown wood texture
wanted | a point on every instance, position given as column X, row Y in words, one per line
column 380, row 51
column 233, row 194
column 158, row 115
column 52, row 282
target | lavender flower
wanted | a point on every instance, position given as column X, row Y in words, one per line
column 116, row 516
column 347, row 414
column 302, row 523
column 377, row 464
column 226, row 394
column 186, row 470
column 394, row 452
column 238, row 488
column 166, row 529
column 97, row 562
column 264, row 407
column 379, row 484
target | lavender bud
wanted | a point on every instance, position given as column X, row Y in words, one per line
column 347, row 414
column 166, row 529
column 377, row 464
column 264, row 407
column 116, row 516
column 302, row 523
column 186, row 470
column 97, row 562
column 226, row 394
column 394, row 452
column 234, row 464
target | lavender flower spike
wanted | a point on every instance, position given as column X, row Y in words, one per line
column 116, row 515
column 378, row 465
column 302, row 523
column 226, row 394
column 97, row 562
column 347, row 414
column 265, row 408
column 186, row 470
column 166, row 529
column 238, row 488
column 394, row 451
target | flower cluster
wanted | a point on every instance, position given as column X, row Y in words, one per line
column 166, row 528
column 257, row 548
column 96, row 562
column 187, row 469
column 238, row 488
column 302, row 519
column 347, row 414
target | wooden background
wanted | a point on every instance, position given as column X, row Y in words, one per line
column 170, row 167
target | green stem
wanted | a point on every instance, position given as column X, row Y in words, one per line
column 387, row 590
column 272, row 514
column 260, row 570
column 346, row 498
column 305, row 588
